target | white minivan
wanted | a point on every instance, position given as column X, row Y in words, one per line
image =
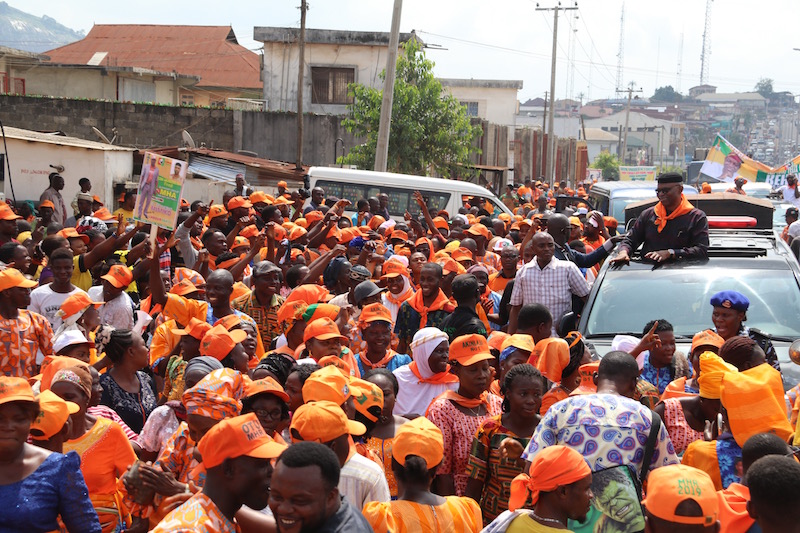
column 353, row 185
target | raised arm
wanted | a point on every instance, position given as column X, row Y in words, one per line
column 316, row 268
column 238, row 269
column 108, row 246
column 427, row 214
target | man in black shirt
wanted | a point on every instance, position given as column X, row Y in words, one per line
column 464, row 320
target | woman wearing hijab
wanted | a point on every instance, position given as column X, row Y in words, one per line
column 427, row 376
column 395, row 274
column 37, row 486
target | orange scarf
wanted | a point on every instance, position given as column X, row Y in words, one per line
column 380, row 364
column 733, row 508
column 438, row 304
column 397, row 300
column 469, row 403
column 661, row 213
column 441, row 378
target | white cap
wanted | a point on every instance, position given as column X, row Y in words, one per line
column 69, row 338
column 502, row 243
column 581, row 211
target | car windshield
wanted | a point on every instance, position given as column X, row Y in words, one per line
column 627, row 299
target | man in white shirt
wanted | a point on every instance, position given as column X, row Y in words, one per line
column 117, row 310
column 47, row 299
column 791, row 192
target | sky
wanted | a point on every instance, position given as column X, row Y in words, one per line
column 511, row 40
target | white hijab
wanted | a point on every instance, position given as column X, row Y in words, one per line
column 422, row 346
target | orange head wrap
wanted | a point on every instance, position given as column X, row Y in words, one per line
column 553, row 467
column 217, row 396
column 551, row 357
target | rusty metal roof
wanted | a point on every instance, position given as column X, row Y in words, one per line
column 258, row 170
column 211, row 52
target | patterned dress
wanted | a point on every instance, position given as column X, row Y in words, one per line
column 21, row 339
column 458, row 430
column 680, row 432
column 198, row 513
column 133, row 408
column 496, row 473
column 383, row 449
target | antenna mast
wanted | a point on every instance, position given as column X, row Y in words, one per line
column 680, row 66
column 621, row 52
column 705, row 57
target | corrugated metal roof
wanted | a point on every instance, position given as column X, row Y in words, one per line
column 223, row 166
column 52, row 138
column 210, row 52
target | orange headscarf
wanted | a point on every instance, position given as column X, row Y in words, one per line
column 676, row 389
column 733, row 515
column 217, row 396
column 661, row 213
column 438, row 304
column 553, row 467
column 551, row 357
column 751, row 407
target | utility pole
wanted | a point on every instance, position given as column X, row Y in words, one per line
column 382, row 148
column 300, row 72
column 630, row 92
column 550, row 142
column 544, row 144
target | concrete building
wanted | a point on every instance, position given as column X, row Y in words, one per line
column 226, row 70
column 736, row 102
column 697, row 90
column 491, row 100
column 598, row 141
column 333, row 59
column 662, row 138
column 31, row 153
column 14, row 66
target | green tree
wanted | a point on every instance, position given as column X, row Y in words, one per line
column 764, row 87
column 609, row 164
column 667, row 94
column 430, row 128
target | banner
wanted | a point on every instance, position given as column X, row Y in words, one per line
column 594, row 174
column 637, row 173
column 160, row 186
column 725, row 162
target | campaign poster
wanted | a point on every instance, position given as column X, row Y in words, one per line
column 637, row 173
column 160, row 186
column 594, row 174
column 725, row 163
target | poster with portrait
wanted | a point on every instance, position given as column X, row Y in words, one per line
column 160, row 187
column 615, row 506
column 725, row 162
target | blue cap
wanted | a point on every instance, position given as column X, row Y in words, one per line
column 730, row 300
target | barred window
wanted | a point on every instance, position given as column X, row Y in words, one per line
column 329, row 85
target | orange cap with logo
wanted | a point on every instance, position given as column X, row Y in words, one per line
column 399, row 235
column 669, row 486
column 76, row 303
column 183, row 287
column 479, row 230
column 365, row 396
column 119, row 276
column 469, row 349
column 195, row 328
column 322, row 329
column 249, row 231
column 53, row 414
column 239, row 201
column 259, row 197
column 309, row 293
column 440, row 223
column 392, row 269
column 104, row 215
column 297, row 232
column 236, row 437
column 282, row 200
column 14, row 389
column 6, row 213
column 375, row 222
column 376, row 312
column 450, row 265
column 11, row 277
column 216, row 210
column 335, row 361
column 706, row 338
column 314, row 216
column 419, row 437
column 327, row 383
column 323, row 422
column 496, row 340
column 218, row 341
column 72, row 233
column 265, row 386
column 463, row 254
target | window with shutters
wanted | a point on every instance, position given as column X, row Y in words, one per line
column 329, row 85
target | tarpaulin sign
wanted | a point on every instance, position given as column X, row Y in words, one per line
column 637, row 173
column 158, row 199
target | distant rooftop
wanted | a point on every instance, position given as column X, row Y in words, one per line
column 729, row 97
column 61, row 140
column 266, row 34
column 485, row 84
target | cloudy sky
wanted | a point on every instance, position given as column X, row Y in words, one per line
column 509, row 39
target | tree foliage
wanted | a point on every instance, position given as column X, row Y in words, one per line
column 430, row 128
column 764, row 87
column 666, row 94
column 609, row 164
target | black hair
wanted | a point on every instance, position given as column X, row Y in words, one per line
column 278, row 365
column 61, row 253
column 577, row 245
column 182, row 216
column 7, row 251
column 415, row 471
column 293, row 276
column 522, row 370
column 375, row 411
column 23, row 225
column 663, row 325
column 53, row 175
column 385, row 373
column 91, row 233
column 118, row 343
column 618, row 365
column 303, row 454
column 83, row 180
column 464, row 287
column 362, row 203
column 774, row 483
column 532, row 315
column 486, row 221
column 193, row 206
column 208, row 234
column 576, row 352
column 138, row 238
column 52, row 243
column 760, row 445
column 304, row 371
column 433, row 266
column 268, row 212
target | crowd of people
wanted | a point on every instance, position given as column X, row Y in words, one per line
column 275, row 365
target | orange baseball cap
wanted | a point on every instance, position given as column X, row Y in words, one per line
column 669, row 486
column 327, row 383
column 302, row 222
column 322, row 329
column 469, row 349
column 587, row 385
column 399, row 235
column 97, row 199
column 610, row 222
column 282, row 200
column 323, row 422
column 72, row 233
column 449, row 265
column 314, row 216
column 297, row 233
column 195, row 328
column 119, row 276
column 6, row 213
column 375, row 222
column 238, row 201
column 575, row 221
column 11, row 277
column 76, row 303
column 309, row 293
column 332, row 360
column 236, row 437
column 496, row 339
column 259, row 197
column 216, row 210
column 218, row 341
column 440, row 223
column 48, row 203
column 419, row 437
column 265, row 386
column 479, row 229
column 463, row 254
column 53, row 414
column 706, row 338
column 229, row 322
column 240, row 241
column 392, row 269
column 183, row 287
column 290, row 311
column 520, row 342
column 249, row 231
column 376, row 312
column 104, row 215
column 14, row 389
column 365, row 396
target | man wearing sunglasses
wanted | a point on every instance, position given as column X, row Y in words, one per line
column 671, row 229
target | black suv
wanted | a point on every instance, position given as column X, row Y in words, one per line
column 753, row 261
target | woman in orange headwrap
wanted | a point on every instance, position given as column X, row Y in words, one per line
column 562, row 370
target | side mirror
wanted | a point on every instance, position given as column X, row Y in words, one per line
column 794, row 352
column 568, row 322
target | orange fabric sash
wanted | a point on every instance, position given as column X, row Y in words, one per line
column 733, row 514
column 380, row 364
column 437, row 379
column 469, row 403
column 438, row 304
column 397, row 300
column 661, row 213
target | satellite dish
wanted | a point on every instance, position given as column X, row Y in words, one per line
column 100, row 135
column 187, row 139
